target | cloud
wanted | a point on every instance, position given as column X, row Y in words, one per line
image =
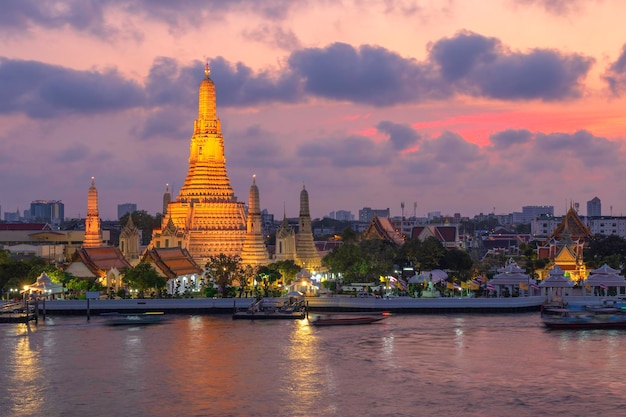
column 592, row 151
column 274, row 36
column 401, row 136
column 43, row 91
column 74, row 153
column 351, row 151
column 556, row 7
column 615, row 75
column 83, row 16
column 481, row 66
column 467, row 63
column 238, row 86
column 510, row 138
column 370, row 74
column 101, row 18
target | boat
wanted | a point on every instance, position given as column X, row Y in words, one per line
column 133, row 319
column 289, row 308
column 343, row 319
column 588, row 317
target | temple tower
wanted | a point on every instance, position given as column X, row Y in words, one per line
column 129, row 241
column 167, row 197
column 285, row 241
column 306, row 252
column 254, row 251
column 206, row 212
column 93, row 235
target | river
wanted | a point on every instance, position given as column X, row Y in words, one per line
column 407, row 365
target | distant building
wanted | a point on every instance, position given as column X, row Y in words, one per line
column 47, row 211
column 342, row 215
column 594, row 207
column 12, row 217
column 529, row 213
column 366, row 214
column 122, row 209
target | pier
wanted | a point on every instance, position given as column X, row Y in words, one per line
column 18, row 312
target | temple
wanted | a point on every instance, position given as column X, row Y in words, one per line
column 254, row 250
column 564, row 248
column 93, row 236
column 299, row 247
column 205, row 218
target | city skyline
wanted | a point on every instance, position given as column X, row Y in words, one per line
column 458, row 106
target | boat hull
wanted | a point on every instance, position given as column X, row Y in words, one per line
column 347, row 320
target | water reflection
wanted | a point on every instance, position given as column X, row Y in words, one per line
column 405, row 366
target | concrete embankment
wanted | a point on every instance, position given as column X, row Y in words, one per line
column 227, row 305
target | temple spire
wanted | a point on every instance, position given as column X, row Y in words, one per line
column 93, row 235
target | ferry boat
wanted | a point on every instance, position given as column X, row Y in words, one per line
column 342, row 319
column 588, row 317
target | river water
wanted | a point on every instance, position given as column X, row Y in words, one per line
column 407, row 365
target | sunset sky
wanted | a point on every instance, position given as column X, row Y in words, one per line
column 459, row 106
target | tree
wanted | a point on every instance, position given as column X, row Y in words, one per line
column 610, row 250
column 144, row 222
column 362, row 260
column 144, row 277
column 458, row 261
column 224, row 269
column 288, row 269
column 430, row 253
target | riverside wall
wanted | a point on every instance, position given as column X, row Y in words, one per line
column 406, row 305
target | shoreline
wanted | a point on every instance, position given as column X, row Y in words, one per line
column 214, row 306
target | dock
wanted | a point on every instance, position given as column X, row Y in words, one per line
column 18, row 313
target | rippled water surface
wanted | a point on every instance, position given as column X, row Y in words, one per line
column 407, row 365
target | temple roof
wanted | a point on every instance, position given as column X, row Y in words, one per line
column 571, row 226
column 101, row 259
column 172, row 262
column 382, row 228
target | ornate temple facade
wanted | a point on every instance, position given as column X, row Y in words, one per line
column 300, row 247
column 93, row 235
column 254, row 250
column 205, row 218
column 129, row 241
column 564, row 248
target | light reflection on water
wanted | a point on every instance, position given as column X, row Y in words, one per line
column 403, row 366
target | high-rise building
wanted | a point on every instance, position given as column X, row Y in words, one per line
column 122, row 209
column 529, row 213
column 205, row 218
column 47, row 211
column 366, row 214
column 594, row 207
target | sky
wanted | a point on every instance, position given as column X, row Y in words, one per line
column 455, row 106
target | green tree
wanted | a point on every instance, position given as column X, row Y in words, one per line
column 430, row 253
column 224, row 269
column 288, row 269
column 610, row 250
column 144, row 222
column 144, row 277
column 363, row 260
column 459, row 262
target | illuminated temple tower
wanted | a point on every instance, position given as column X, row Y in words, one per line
column 93, row 235
column 306, row 252
column 205, row 218
column 254, row 250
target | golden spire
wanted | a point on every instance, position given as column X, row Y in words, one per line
column 207, row 70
